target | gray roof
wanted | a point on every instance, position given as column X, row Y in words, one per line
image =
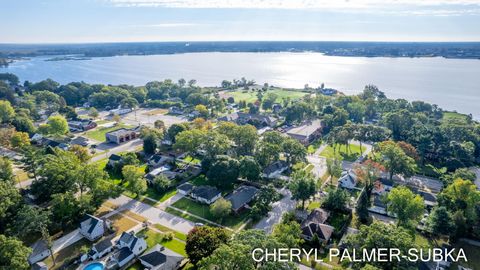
column 185, row 187
column 159, row 255
column 122, row 254
column 323, row 231
column 38, row 247
column 206, row 192
column 39, row 266
column 275, row 166
column 104, row 244
column 127, row 238
column 91, row 222
column 115, row 157
column 349, row 176
column 318, row 215
column 242, row 196
column 305, row 130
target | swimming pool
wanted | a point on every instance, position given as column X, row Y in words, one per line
column 94, row 266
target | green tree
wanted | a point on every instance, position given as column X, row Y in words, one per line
column 6, row 111
column 395, row 160
column 224, row 171
column 249, row 168
column 361, row 208
column 388, row 236
column 20, row 140
column 288, row 234
column 93, row 113
column 336, row 200
column 462, row 196
column 6, row 170
column 407, row 207
column 334, row 168
column 81, row 152
column 302, row 186
column 175, row 129
column 190, row 140
column 202, row 241
column 30, row 220
column 440, row 222
column 161, row 183
column 10, row 200
column 13, row 254
column 57, row 125
column 133, row 176
column 150, row 143
column 294, row 151
column 202, row 109
column 221, row 208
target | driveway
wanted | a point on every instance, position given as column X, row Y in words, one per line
column 286, row 204
column 66, row 240
column 153, row 214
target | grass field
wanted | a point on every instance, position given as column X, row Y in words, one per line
column 251, row 96
column 201, row 210
column 98, row 134
column 154, row 238
column 178, row 235
column 122, row 223
column 454, row 115
column 354, row 153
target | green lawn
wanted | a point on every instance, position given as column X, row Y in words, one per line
column 154, row 238
column 190, row 159
column 98, row 134
column 152, row 193
column 200, row 180
column 202, row 210
column 314, row 146
column 454, row 115
column 178, row 235
column 313, row 205
column 67, row 254
column 183, row 215
column 251, row 96
column 352, row 155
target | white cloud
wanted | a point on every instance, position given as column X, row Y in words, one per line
column 166, row 25
column 292, row 4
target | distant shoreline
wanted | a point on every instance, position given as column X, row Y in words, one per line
column 449, row 50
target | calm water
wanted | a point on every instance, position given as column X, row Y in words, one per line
column 454, row 84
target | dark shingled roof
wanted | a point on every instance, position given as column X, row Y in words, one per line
column 126, row 237
column 242, row 196
column 103, row 245
column 185, row 187
column 122, row 254
column 159, row 255
column 206, row 192
column 275, row 166
column 115, row 157
column 323, row 231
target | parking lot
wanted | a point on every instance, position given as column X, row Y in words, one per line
column 148, row 116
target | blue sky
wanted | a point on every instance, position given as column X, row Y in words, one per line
column 79, row 21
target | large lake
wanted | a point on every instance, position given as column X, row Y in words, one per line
column 453, row 84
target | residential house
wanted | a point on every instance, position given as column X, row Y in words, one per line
column 379, row 206
column 158, row 160
column 205, row 194
column 135, row 244
column 194, row 114
column 120, row 111
column 348, row 179
column 101, row 248
column 40, row 252
column 47, row 142
column 114, row 159
column 307, row 132
column 241, row 197
column 315, row 225
column 122, row 135
column 39, row 266
column 156, row 172
column 82, row 141
column 277, row 107
column 256, row 120
column 120, row 258
column 327, row 91
column 82, row 125
column 185, row 188
column 275, row 169
column 161, row 258
column 92, row 227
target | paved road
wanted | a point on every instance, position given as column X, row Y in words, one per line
column 115, row 149
column 66, row 240
column 153, row 214
column 286, row 204
column 319, row 165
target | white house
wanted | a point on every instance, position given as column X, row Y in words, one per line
column 136, row 244
column 205, row 194
column 101, row 249
column 92, row 227
column 348, row 179
column 40, row 251
column 39, row 266
column 120, row 258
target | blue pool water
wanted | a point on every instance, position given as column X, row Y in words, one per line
column 94, row 266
